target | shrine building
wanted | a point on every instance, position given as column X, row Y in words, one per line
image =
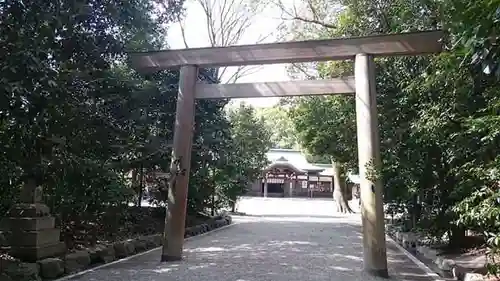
column 289, row 174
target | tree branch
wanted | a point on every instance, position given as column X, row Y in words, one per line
column 183, row 31
column 295, row 15
column 301, row 69
column 314, row 21
column 226, row 23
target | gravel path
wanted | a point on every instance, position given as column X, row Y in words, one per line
column 278, row 248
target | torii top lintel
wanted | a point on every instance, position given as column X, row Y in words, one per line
column 402, row 44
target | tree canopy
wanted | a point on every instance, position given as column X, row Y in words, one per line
column 438, row 115
column 279, row 125
column 78, row 121
column 250, row 142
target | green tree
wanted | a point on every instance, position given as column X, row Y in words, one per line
column 327, row 126
column 75, row 119
column 250, row 142
column 279, row 124
column 472, row 26
column 438, row 114
column 58, row 84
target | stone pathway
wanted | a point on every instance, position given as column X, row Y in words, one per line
column 274, row 248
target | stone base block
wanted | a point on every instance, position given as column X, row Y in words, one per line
column 51, row 268
column 473, row 277
column 35, row 238
column 24, row 210
column 445, row 264
column 20, row 271
column 102, row 254
column 77, row 261
column 124, row 249
column 29, row 224
column 35, row 253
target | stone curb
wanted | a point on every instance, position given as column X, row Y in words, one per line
column 72, row 263
column 410, row 242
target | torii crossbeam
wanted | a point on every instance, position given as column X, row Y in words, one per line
column 361, row 49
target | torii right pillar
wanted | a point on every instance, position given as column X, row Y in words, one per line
column 372, row 211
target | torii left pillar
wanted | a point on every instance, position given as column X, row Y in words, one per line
column 173, row 235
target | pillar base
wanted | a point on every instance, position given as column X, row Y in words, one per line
column 383, row 273
column 168, row 258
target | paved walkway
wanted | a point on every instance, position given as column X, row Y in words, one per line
column 265, row 247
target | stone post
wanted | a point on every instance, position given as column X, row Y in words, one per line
column 308, row 186
column 31, row 228
column 286, row 190
column 295, row 184
column 265, row 185
column 372, row 212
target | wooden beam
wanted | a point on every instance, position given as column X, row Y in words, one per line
column 414, row 43
column 276, row 89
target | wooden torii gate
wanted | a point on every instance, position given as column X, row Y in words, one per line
column 361, row 49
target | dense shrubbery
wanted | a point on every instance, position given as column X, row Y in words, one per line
column 75, row 119
column 439, row 115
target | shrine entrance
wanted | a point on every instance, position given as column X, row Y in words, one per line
column 274, row 186
column 279, row 179
column 362, row 50
column 278, row 182
column 283, row 179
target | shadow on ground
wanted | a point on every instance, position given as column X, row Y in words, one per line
column 264, row 250
column 293, row 215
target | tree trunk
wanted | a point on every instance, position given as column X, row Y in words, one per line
column 135, row 180
column 415, row 211
column 141, row 186
column 212, row 202
column 339, row 190
column 233, row 205
column 457, row 237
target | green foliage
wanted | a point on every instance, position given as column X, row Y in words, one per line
column 319, row 159
column 438, row 115
column 373, row 173
column 473, row 28
column 327, row 126
column 211, row 147
column 64, row 112
column 77, row 120
column 279, row 124
column 250, row 142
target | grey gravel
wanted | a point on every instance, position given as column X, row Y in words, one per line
column 265, row 247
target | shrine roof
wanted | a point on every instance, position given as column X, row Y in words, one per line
column 292, row 158
column 296, row 160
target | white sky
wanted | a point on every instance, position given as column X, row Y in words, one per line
column 264, row 24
